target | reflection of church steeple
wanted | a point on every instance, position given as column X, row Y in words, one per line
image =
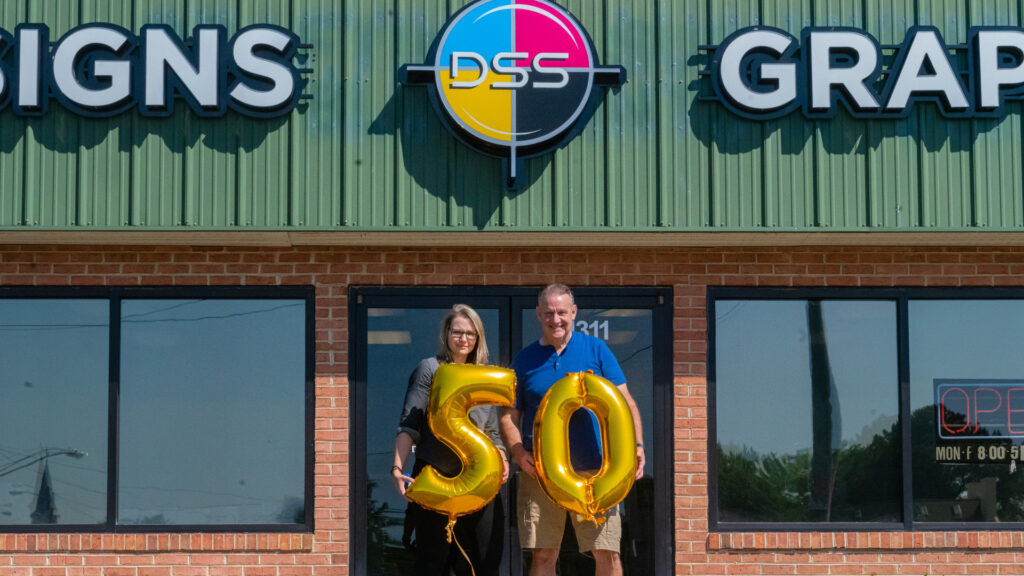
column 45, row 509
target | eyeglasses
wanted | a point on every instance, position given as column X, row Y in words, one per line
column 460, row 334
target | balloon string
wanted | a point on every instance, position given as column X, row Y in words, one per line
column 450, row 529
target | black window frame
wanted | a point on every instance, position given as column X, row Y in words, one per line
column 901, row 297
column 511, row 301
column 115, row 295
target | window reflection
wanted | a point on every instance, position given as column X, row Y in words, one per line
column 807, row 411
column 53, row 385
column 977, row 342
column 212, row 415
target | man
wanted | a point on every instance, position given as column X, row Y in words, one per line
column 538, row 366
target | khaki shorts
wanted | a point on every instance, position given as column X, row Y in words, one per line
column 542, row 522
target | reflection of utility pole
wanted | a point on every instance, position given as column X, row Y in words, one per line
column 824, row 418
column 38, row 456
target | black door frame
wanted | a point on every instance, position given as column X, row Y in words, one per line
column 510, row 301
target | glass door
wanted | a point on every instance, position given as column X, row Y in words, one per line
column 399, row 332
column 392, row 329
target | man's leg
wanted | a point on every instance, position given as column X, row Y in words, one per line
column 541, row 523
column 602, row 541
column 608, row 563
column 543, row 562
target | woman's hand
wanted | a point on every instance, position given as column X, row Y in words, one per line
column 400, row 480
column 504, row 467
column 403, row 447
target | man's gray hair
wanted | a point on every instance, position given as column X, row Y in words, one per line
column 556, row 288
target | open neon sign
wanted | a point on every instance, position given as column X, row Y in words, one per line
column 980, row 409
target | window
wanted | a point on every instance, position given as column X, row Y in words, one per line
column 965, row 355
column 53, row 380
column 393, row 328
column 866, row 409
column 807, row 408
column 205, row 396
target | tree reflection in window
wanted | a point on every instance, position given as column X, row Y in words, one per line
column 385, row 555
column 783, row 452
column 962, row 492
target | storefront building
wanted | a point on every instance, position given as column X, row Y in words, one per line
column 229, row 230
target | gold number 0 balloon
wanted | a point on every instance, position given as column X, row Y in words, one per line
column 587, row 496
column 456, row 389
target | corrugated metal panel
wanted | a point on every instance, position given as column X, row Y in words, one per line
column 267, row 151
column 12, row 141
column 892, row 149
column 103, row 188
column 684, row 123
column 736, row 163
column 997, row 173
column 788, row 148
column 366, row 153
column 841, row 144
column 158, row 146
column 945, row 147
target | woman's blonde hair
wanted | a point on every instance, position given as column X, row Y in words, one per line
column 479, row 353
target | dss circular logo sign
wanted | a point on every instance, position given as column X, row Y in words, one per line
column 513, row 77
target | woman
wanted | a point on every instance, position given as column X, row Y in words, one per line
column 480, row 534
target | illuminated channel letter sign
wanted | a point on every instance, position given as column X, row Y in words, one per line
column 513, row 78
column 105, row 70
column 763, row 73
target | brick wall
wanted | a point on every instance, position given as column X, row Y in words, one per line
column 332, row 270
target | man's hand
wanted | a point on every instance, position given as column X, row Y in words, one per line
column 525, row 460
column 641, row 459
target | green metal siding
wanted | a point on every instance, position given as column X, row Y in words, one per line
column 367, row 154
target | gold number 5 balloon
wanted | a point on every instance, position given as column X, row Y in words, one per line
column 588, row 496
column 456, row 389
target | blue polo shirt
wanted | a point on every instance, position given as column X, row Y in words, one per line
column 538, row 367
